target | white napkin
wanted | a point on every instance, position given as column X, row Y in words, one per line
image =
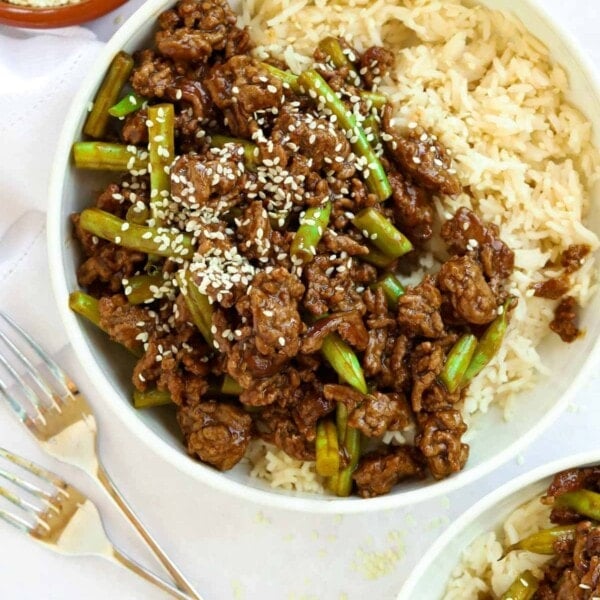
column 39, row 73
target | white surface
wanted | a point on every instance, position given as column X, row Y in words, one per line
column 229, row 548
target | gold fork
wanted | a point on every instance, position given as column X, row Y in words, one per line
column 60, row 517
column 65, row 427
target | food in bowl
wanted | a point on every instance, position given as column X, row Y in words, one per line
column 305, row 244
column 549, row 547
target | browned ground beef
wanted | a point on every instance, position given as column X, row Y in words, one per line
column 270, row 315
column 565, row 320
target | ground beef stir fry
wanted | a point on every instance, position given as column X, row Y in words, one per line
column 252, row 271
column 573, row 572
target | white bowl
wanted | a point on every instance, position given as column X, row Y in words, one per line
column 432, row 573
column 495, row 440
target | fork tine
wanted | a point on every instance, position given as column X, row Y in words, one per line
column 58, row 373
column 25, row 485
column 16, row 521
column 20, row 502
column 26, row 363
column 38, row 471
column 15, row 405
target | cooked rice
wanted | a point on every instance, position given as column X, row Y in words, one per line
column 488, row 89
column 481, row 571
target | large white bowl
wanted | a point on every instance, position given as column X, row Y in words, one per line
column 431, row 575
column 495, row 440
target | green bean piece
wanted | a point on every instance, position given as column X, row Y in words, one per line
column 151, row 398
column 127, row 105
column 105, row 156
column 392, row 289
column 285, row 76
column 251, row 151
column 86, row 306
column 382, row 233
column 139, row 288
column 116, row 77
column 139, row 217
column 341, row 421
column 161, row 148
column 524, row 587
column 311, row 230
column 376, row 99
column 372, row 129
column 230, row 387
column 352, row 447
column 327, row 449
column 333, row 48
column 458, row 362
column 542, row 542
column 377, row 258
column 344, row 361
column 584, row 502
column 489, row 343
column 374, row 173
column 151, row 240
column 199, row 306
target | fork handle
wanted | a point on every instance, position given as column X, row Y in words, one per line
column 134, row 567
column 175, row 573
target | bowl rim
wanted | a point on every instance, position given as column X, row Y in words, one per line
column 288, row 500
column 436, row 550
column 46, row 17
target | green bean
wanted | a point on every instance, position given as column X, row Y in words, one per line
column 251, row 151
column 458, row 361
column 382, row 233
column 371, row 123
column 151, row 398
column 161, row 148
column 341, row 421
column 488, row 344
column 344, row 361
column 377, row 100
column 151, row 240
column 105, row 156
column 524, row 587
column 139, row 288
column 542, row 542
column 311, row 229
column 128, row 104
column 377, row 258
column 326, row 449
column 343, row 485
column 139, row 217
column 230, row 387
column 115, row 79
column 285, row 76
column 199, row 306
column 332, row 47
column 86, row 306
column 392, row 289
column 584, row 502
column 374, row 173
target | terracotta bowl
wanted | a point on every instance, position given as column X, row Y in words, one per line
column 56, row 16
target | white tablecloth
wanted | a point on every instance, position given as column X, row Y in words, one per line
column 230, row 549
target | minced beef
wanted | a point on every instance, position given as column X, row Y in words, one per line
column 248, row 338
